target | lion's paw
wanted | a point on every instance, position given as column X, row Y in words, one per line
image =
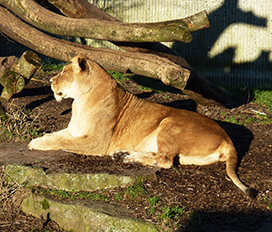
column 148, row 158
column 37, row 144
column 119, row 155
column 136, row 157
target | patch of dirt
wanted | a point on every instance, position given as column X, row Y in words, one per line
column 211, row 202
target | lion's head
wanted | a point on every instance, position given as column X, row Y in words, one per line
column 76, row 78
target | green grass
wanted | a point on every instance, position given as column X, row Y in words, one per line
column 153, row 202
column 118, row 197
column 269, row 201
column 232, row 120
column 246, row 120
column 263, row 98
column 135, row 191
column 119, row 77
column 171, row 212
column 49, row 66
column 70, row 195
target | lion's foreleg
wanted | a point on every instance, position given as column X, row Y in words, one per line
column 53, row 141
column 63, row 140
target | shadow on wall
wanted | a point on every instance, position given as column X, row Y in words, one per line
column 231, row 50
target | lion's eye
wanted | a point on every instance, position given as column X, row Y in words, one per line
column 60, row 93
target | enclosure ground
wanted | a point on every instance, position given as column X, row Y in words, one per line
column 208, row 199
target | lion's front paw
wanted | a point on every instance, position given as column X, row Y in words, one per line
column 38, row 144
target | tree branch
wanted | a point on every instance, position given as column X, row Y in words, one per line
column 175, row 30
column 143, row 64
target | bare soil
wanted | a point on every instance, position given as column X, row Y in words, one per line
column 210, row 200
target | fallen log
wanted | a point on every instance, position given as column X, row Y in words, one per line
column 198, row 88
column 174, row 30
column 142, row 64
column 17, row 76
column 5, row 63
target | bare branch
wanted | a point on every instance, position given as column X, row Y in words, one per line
column 175, row 30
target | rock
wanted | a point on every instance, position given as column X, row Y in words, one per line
column 73, row 181
column 85, row 215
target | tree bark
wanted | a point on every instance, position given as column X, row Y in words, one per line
column 175, row 30
column 198, row 88
column 143, row 64
column 81, row 9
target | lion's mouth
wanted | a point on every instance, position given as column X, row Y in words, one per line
column 58, row 96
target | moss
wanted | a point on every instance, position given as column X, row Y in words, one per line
column 45, row 204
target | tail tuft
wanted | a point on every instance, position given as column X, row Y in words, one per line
column 252, row 193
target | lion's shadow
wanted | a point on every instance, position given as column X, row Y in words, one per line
column 240, row 136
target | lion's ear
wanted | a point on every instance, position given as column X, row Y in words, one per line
column 80, row 63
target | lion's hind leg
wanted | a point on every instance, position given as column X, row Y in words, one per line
column 146, row 158
column 200, row 160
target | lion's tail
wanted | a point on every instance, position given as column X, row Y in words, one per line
column 231, row 166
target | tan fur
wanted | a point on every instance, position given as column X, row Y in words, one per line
column 106, row 119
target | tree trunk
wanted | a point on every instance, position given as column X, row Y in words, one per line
column 143, row 64
column 198, row 88
column 175, row 30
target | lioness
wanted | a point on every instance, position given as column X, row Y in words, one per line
column 106, row 119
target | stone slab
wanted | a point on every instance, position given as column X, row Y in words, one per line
column 73, row 181
column 85, row 215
